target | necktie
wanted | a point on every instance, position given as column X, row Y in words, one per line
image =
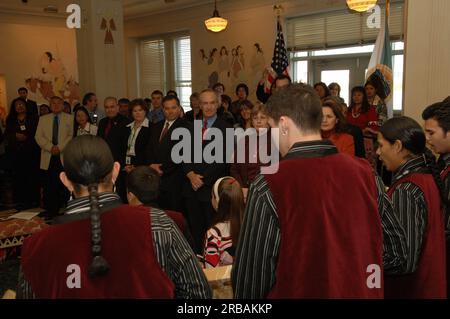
column 164, row 131
column 205, row 127
column 55, row 130
column 108, row 128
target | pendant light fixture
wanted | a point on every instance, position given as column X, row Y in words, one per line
column 216, row 23
column 361, row 5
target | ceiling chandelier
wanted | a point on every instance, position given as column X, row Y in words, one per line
column 216, row 23
column 361, row 5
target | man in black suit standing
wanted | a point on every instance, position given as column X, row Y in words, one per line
column 160, row 151
column 32, row 107
column 110, row 129
column 202, row 176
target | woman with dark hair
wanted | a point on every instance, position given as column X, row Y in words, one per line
column 101, row 248
column 223, row 111
column 362, row 114
column 376, row 102
column 417, row 197
column 322, row 90
column 333, row 128
column 67, row 108
column 82, row 123
column 136, row 136
column 221, row 239
column 24, row 154
column 242, row 95
column 245, row 115
column 196, row 112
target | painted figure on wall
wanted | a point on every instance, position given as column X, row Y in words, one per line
column 257, row 63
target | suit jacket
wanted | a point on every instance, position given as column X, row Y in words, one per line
column 140, row 146
column 32, row 108
column 161, row 153
column 44, row 135
column 113, row 138
column 210, row 172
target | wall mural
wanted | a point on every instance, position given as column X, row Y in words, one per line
column 52, row 80
column 231, row 66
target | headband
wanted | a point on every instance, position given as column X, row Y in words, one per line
column 216, row 187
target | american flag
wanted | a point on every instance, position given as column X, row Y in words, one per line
column 280, row 60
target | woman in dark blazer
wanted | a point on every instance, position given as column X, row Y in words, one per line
column 135, row 137
column 24, row 153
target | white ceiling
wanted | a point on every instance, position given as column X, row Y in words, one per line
column 131, row 8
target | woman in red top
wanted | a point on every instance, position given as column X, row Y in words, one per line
column 362, row 114
column 333, row 124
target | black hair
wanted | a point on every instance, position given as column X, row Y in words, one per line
column 87, row 97
column 226, row 98
column 12, row 116
column 325, row 87
column 45, row 106
column 22, row 89
column 365, row 103
column 88, row 161
column 67, row 104
column 137, row 102
column 300, row 102
column 143, row 182
column 124, row 101
column 171, row 98
column 217, row 85
column 157, row 92
column 412, row 136
column 75, row 124
column 172, row 92
column 440, row 112
column 244, row 86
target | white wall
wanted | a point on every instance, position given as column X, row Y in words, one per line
column 427, row 55
column 23, row 48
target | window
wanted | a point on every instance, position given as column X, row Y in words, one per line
column 153, row 69
column 183, row 75
column 166, row 65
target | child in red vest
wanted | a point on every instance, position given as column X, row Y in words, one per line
column 416, row 197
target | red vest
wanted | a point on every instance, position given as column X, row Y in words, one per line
column 127, row 245
column 330, row 228
column 429, row 280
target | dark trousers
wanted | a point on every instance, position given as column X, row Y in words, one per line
column 26, row 180
column 171, row 200
column 56, row 194
column 199, row 217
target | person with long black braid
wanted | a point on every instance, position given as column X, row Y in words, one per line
column 417, row 197
column 101, row 248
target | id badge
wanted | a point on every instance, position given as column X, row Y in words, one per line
column 128, row 160
column 23, row 128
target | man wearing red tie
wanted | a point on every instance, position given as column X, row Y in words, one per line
column 201, row 176
column 159, row 152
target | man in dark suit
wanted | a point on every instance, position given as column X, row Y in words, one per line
column 110, row 129
column 160, row 151
column 32, row 107
column 202, row 176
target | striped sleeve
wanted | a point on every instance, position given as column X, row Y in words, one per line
column 394, row 238
column 177, row 259
column 411, row 210
column 254, row 270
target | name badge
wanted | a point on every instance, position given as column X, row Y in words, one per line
column 23, row 128
column 128, row 160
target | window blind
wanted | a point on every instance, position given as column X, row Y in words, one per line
column 339, row 28
column 152, row 66
column 183, row 75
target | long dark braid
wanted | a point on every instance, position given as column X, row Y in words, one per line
column 87, row 162
column 99, row 266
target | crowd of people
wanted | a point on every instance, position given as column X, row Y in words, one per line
column 353, row 189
